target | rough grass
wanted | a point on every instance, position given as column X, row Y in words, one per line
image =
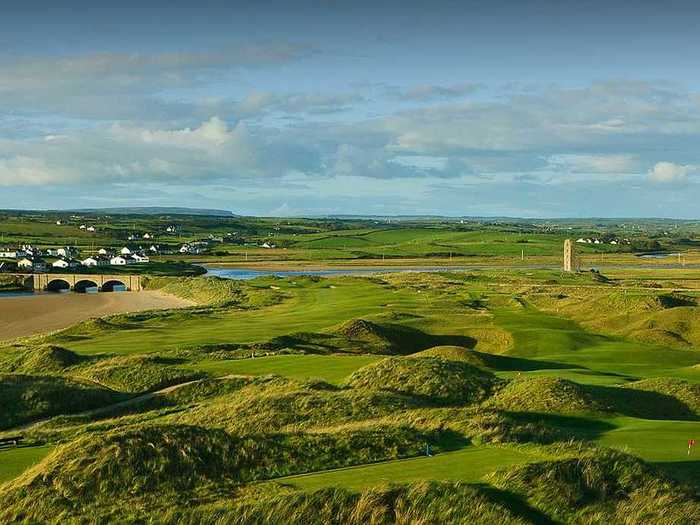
column 683, row 391
column 433, row 379
column 42, row 359
column 600, row 486
column 273, row 404
column 136, row 373
column 546, row 394
column 419, row 503
column 214, row 291
column 24, row 398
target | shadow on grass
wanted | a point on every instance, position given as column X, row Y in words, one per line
column 685, row 472
column 516, row 504
column 579, row 427
column 641, row 403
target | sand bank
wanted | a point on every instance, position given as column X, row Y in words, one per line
column 30, row 315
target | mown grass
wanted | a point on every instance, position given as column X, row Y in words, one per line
column 467, row 465
column 330, row 368
column 14, row 461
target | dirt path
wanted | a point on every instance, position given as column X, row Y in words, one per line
column 31, row 315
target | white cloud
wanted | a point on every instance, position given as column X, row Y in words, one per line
column 670, row 173
column 577, row 163
column 28, row 171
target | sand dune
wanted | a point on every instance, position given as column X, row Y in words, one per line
column 30, row 315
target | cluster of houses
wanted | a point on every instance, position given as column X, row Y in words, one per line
column 32, row 259
column 601, row 241
column 124, row 257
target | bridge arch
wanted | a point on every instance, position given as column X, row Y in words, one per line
column 58, row 285
column 108, row 286
column 82, row 285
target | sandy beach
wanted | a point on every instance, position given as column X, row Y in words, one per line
column 30, row 315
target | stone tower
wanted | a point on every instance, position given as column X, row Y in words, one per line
column 569, row 256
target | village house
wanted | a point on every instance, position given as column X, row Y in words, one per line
column 125, row 251
column 7, row 253
column 65, row 263
column 103, row 251
column 120, row 260
column 91, row 262
column 32, row 263
column 139, row 258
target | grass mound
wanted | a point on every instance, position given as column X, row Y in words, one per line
column 600, row 486
column 546, row 394
column 683, row 391
column 137, row 373
column 44, row 359
column 455, row 353
column 25, row 398
column 418, row 503
column 433, row 379
column 272, row 403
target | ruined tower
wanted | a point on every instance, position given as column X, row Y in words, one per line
column 569, row 256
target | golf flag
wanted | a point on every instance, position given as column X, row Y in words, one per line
column 691, row 444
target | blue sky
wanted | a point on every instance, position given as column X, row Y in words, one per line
column 538, row 109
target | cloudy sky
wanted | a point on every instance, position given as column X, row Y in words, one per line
column 521, row 108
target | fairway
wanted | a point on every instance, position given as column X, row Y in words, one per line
column 304, row 308
column 466, row 465
column 14, row 461
column 332, row 369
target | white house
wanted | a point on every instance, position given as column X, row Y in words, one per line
column 140, row 258
column 153, row 248
column 91, row 262
column 268, row 245
column 82, row 226
column 125, row 251
column 122, row 260
column 12, row 254
column 147, row 236
column 35, row 264
column 91, row 228
column 103, row 251
column 613, row 242
column 65, row 263
column 582, row 240
column 58, row 223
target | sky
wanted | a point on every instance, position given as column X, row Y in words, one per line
column 464, row 108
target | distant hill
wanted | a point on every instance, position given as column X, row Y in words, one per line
column 157, row 210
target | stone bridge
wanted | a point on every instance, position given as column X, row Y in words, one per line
column 79, row 282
